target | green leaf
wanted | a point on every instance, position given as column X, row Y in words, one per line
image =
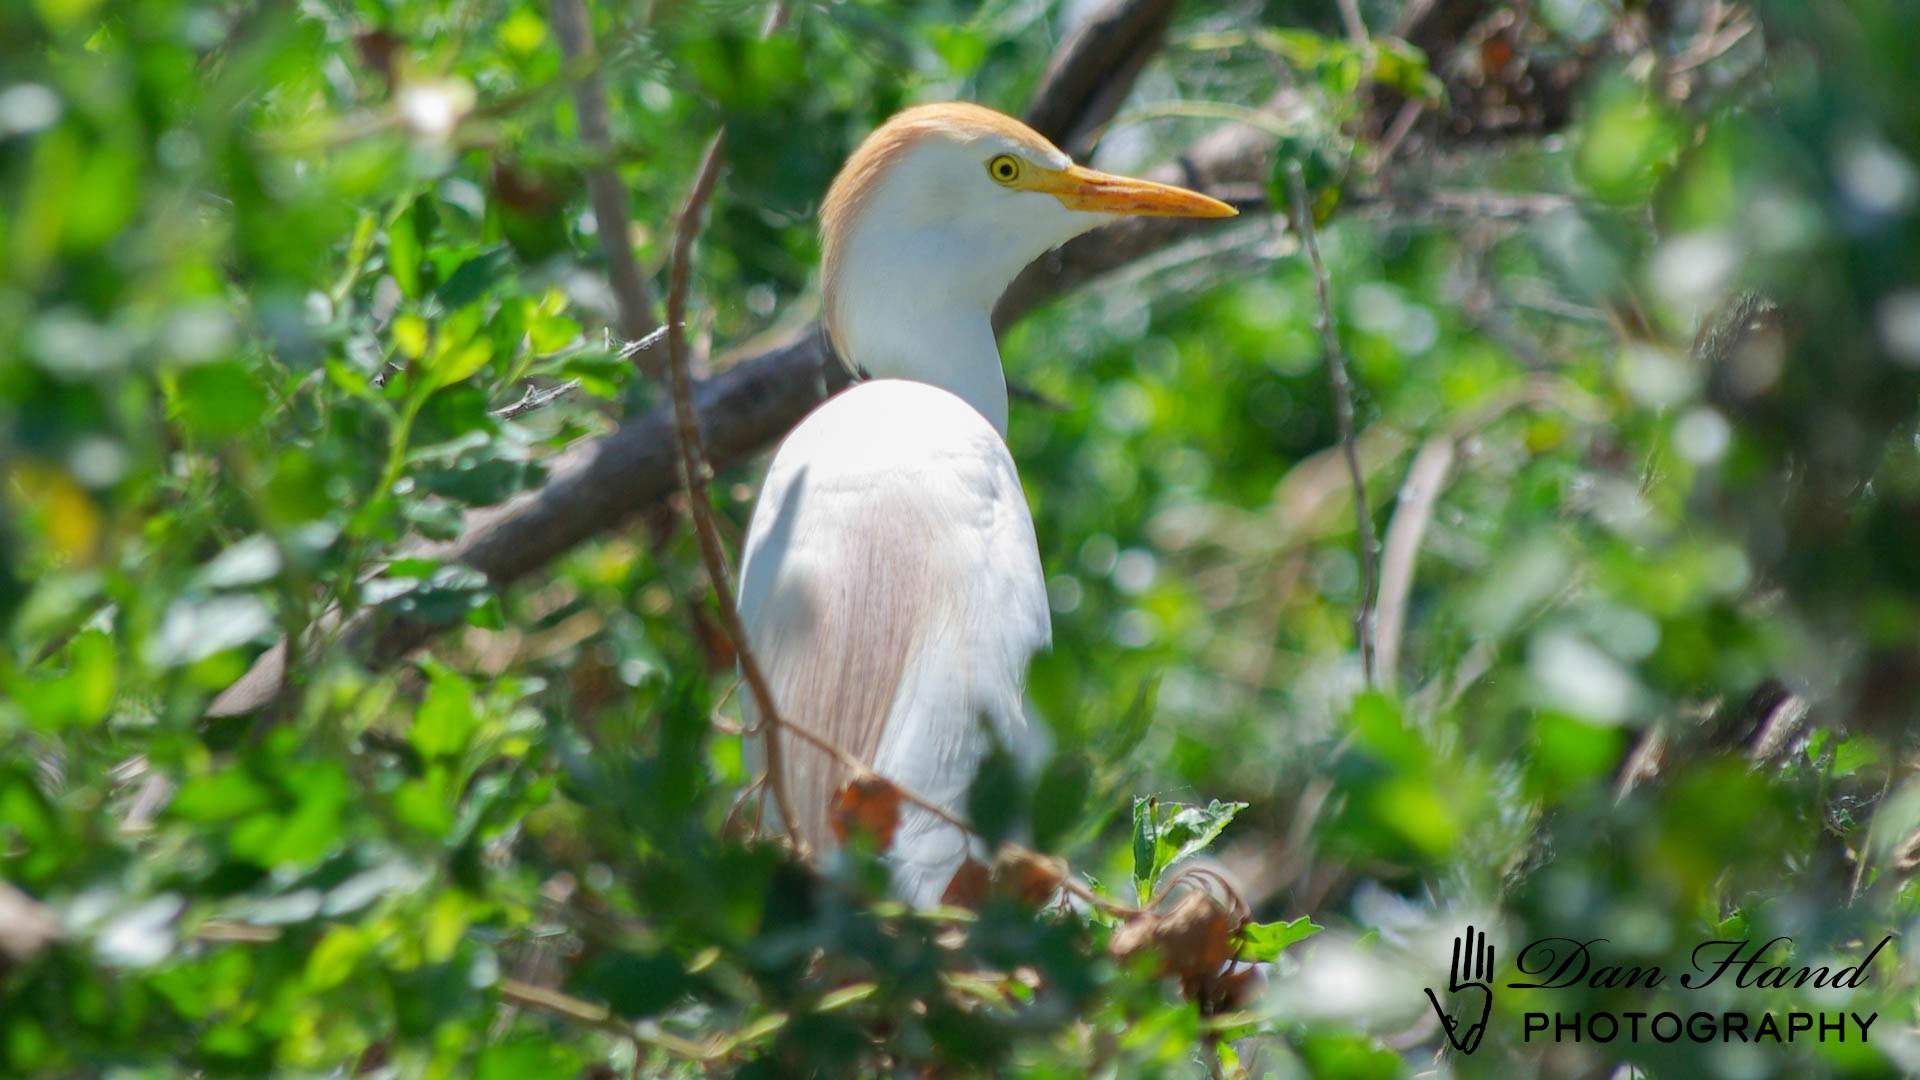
column 1321, row 160
column 410, row 336
column 551, row 333
column 446, row 921
column 1852, row 754
column 1626, row 144
column 82, row 695
column 218, row 401
column 1189, row 830
column 222, row 796
column 1377, row 726
column 335, row 956
column 634, row 985
column 1145, row 843
column 1339, row 1055
column 1264, row 942
column 427, row 802
column 407, row 238
column 1403, row 68
column 452, row 363
column 997, row 799
column 473, row 278
column 1133, row 726
column 436, row 596
column 962, row 48
column 1060, row 800
column 319, row 792
column 446, row 720
column 527, row 1056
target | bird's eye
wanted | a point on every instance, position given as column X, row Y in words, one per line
column 1005, row 168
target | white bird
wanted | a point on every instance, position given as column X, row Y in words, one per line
column 891, row 584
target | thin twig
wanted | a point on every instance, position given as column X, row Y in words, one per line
column 604, row 190
column 647, row 341
column 1866, row 843
column 694, row 472
column 558, row 1003
column 1343, row 413
column 1412, row 514
column 1396, row 134
column 1356, row 26
column 693, row 475
column 536, row 398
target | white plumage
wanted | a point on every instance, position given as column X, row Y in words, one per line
column 891, row 584
column 892, row 591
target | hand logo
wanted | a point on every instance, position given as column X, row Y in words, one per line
column 1471, row 983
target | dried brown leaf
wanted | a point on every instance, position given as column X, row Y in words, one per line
column 1027, row 876
column 968, row 886
column 1193, row 939
column 869, row 805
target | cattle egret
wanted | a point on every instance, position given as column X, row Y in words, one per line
column 891, row 584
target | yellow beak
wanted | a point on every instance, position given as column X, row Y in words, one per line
column 1081, row 188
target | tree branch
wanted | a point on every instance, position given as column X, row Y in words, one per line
column 1363, row 628
column 694, row 473
column 604, row 190
column 596, row 484
column 1414, row 512
column 1094, row 69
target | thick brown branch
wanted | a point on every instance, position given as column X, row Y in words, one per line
column 1094, row 69
column 596, row 484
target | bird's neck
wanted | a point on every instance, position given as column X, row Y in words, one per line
column 949, row 348
column 924, row 311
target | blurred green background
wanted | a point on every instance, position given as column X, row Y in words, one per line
column 1631, row 294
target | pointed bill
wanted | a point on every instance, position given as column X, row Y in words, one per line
column 1080, row 188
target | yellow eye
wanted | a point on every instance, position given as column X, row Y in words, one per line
column 1005, row 168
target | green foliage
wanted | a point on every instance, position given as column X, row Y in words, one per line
column 1165, row 833
column 1264, row 942
column 276, row 279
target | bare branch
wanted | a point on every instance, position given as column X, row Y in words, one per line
column 1356, row 26
column 604, row 190
column 1411, row 515
column 634, row 348
column 1343, row 413
column 694, row 473
column 536, row 398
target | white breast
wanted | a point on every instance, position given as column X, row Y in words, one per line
column 892, row 590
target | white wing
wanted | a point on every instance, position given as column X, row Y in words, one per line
column 892, row 590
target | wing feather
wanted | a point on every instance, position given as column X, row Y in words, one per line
column 892, row 592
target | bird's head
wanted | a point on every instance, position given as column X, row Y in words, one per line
column 936, row 212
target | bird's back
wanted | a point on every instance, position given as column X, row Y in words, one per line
column 892, row 591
